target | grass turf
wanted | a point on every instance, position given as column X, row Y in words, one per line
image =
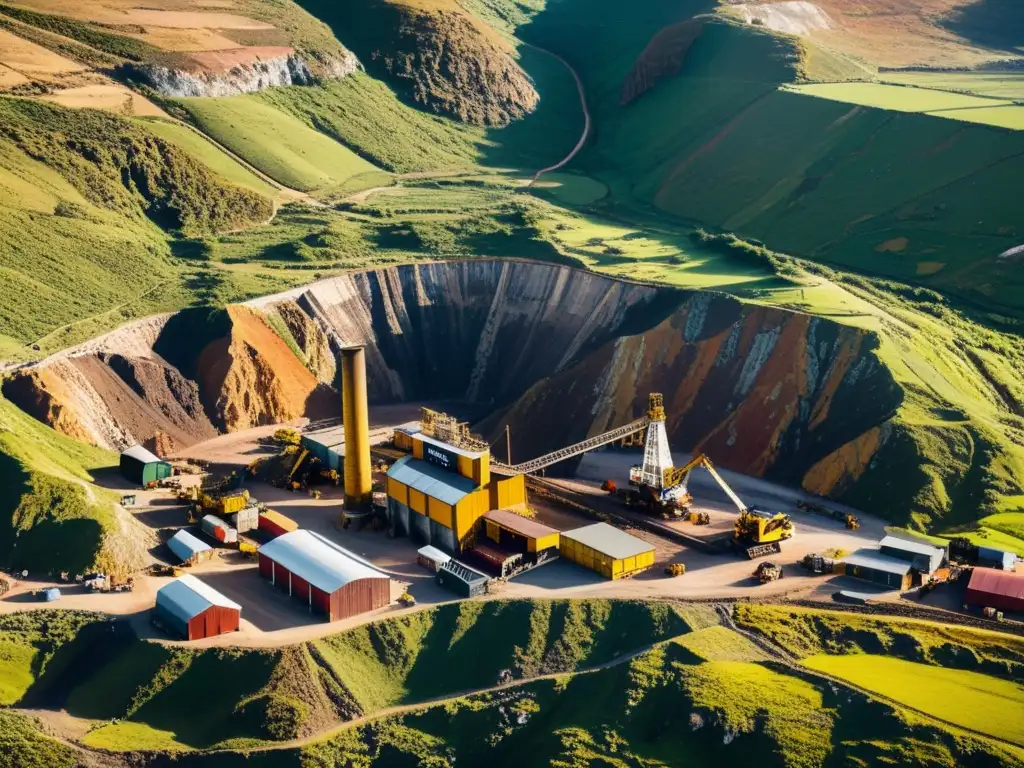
column 969, row 699
column 278, row 144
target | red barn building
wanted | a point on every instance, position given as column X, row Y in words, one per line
column 193, row 610
column 324, row 576
column 996, row 589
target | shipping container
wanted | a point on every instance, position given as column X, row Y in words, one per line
column 247, row 519
column 218, row 529
column 275, row 524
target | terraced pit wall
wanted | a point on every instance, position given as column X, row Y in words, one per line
column 559, row 353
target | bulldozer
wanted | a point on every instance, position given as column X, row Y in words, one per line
column 767, row 572
column 675, row 569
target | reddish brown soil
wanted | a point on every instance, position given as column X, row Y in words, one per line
column 251, row 377
column 217, row 62
column 145, row 397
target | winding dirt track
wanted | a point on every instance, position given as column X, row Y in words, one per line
column 586, row 118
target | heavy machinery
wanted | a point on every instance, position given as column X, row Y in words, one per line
column 851, row 521
column 663, row 489
column 608, row 486
column 700, row 518
column 766, row 573
column 675, row 569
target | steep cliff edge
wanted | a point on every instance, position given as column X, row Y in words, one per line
column 241, row 70
column 763, row 391
column 559, row 353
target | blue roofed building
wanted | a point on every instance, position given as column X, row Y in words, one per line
column 191, row 609
column 189, row 549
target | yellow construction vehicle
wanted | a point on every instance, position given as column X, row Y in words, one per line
column 675, row 569
column 756, row 531
column 288, row 481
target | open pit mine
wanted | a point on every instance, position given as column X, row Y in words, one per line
column 558, row 353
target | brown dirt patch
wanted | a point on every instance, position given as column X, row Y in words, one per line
column 190, row 19
column 185, row 40
column 895, row 245
column 222, row 61
column 111, row 98
column 9, row 78
column 31, row 60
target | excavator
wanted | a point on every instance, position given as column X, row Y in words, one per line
column 662, row 488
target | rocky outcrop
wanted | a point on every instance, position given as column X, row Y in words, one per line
column 242, row 70
column 559, row 353
column 663, row 57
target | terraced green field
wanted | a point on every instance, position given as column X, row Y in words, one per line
column 996, row 85
column 895, row 97
column 278, row 144
column 210, row 154
column 979, row 702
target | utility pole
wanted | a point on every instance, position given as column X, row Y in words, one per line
column 508, row 445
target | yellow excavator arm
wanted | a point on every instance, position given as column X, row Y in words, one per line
column 677, row 475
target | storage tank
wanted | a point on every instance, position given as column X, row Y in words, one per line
column 356, row 418
column 218, row 529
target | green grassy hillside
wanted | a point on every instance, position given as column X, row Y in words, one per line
column 703, row 694
column 726, row 704
column 52, row 518
column 276, row 143
column 251, row 696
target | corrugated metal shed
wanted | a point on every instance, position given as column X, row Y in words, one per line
column 318, row 561
column 431, row 480
column 434, row 554
column 996, row 589
column 608, row 540
column 997, row 558
column 185, row 546
column 187, row 597
column 521, row 525
column 461, row 579
column 140, row 453
column 876, row 561
column 925, row 557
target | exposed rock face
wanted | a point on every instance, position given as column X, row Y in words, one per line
column 761, row 390
column 663, row 57
column 228, row 73
column 559, row 353
column 455, row 69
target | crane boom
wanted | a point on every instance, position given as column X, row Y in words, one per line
column 725, row 486
column 680, row 475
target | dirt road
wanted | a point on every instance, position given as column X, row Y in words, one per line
column 586, row 119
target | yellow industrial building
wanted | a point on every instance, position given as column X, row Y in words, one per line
column 437, row 494
column 604, row 548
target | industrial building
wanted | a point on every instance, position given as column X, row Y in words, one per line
column 437, row 495
column 193, row 610
column 878, row 568
column 142, row 467
column 461, row 579
column 327, row 444
column 924, row 558
column 322, row 575
column 518, row 533
column 189, row 549
column 995, row 589
column 604, row 548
